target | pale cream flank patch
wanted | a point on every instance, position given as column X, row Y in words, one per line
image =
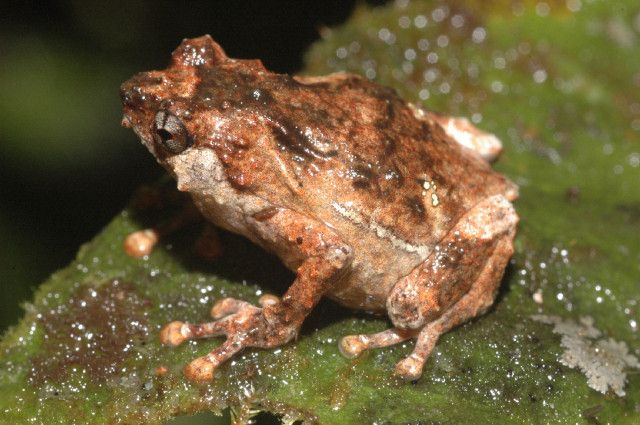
column 382, row 232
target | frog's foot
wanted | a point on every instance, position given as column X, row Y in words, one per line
column 318, row 257
column 352, row 346
column 410, row 367
column 244, row 326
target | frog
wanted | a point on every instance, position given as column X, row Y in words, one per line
column 370, row 200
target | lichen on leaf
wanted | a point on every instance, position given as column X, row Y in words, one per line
column 604, row 361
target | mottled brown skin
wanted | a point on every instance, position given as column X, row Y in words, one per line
column 364, row 196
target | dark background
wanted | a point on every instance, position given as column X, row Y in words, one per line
column 66, row 165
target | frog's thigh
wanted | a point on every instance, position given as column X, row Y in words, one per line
column 474, row 302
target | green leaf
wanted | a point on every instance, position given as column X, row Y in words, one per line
column 559, row 84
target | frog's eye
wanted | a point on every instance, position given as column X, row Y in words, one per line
column 170, row 132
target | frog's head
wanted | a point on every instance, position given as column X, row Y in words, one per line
column 180, row 112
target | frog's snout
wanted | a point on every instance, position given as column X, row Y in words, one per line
column 125, row 122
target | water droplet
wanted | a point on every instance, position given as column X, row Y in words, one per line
column 387, row 36
column 410, row 54
column 574, row 5
column 478, row 35
column 423, row 94
column 423, row 44
column 430, row 75
column 540, row 76
column 420, row 21
column 443, row 41
column 543, row 9
column 457, row 21
column 497, row 86
column 439, row 14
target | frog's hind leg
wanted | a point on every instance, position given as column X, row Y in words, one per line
column 475, row 302
column 455, row 283
column 486, row 145
column 460, row 129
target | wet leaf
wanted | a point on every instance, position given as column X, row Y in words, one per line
column 558, row 82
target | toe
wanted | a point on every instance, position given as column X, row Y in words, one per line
column 227, row 306
column 410, row 368
column 174, row 333
column 352, row 346
column 268, row 299
column 200, row 370
column 141, row 243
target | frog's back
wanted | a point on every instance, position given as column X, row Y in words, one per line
column 354, row 153
column 349, row 151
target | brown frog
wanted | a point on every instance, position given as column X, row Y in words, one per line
column 371, row 201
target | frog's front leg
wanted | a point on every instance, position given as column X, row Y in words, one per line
column 312, row 249
column 457, row 282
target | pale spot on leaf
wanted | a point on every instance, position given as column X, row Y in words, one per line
column 604, row 361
